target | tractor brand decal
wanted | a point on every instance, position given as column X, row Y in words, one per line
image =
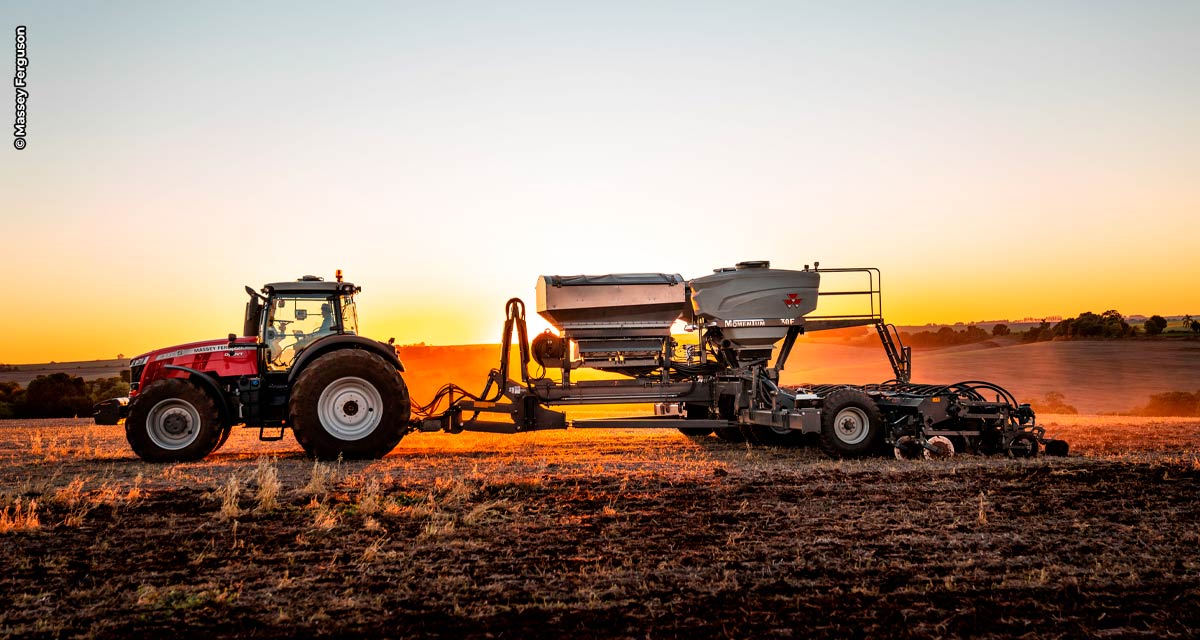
column 209, row 349
column 793, row 300
column 753, row 322
column 137, row 362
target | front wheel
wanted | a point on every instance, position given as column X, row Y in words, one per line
column 173, row 420
column 851, row 424
column 350, row 404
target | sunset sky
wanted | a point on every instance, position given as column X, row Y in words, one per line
column 1023, row 159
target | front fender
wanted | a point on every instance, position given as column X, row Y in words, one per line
column 210, row 386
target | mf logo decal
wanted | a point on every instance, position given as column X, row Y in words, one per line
column 793, row 300
column 178, row 353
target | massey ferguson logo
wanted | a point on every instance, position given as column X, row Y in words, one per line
column 793, row 300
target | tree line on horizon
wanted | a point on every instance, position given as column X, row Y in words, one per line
column 1110, row 325
column 1173, row 404
column 59, row 395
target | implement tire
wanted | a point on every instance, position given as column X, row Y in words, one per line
column 173, row 420
column 851, row 424
column 1023, row 445
column 730, row 434
column 351, row 404
column 696, row 412
column 771, row 437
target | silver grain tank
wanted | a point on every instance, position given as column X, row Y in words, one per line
column 753, row 305
column 617, row 322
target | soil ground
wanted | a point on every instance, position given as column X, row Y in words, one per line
column 600, row 534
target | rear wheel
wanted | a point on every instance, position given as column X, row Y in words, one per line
column 349, row 403
column 173, row 420
column 851, row 424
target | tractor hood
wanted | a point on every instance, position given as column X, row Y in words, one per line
column 212, row 357
column 192, row 351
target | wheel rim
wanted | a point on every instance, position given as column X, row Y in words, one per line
column 350, row 408
column 944, row 448
column 906, row 448
column 173, row 424
column 1022, row 447
column 851, row 425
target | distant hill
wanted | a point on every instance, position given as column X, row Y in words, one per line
column 88, row 370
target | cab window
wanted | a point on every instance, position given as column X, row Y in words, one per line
column 293, row 323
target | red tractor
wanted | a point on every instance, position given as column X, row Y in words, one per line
column 300, row 364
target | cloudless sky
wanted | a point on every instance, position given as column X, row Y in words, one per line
column 1003, row 161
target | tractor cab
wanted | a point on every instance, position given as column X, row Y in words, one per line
column 288, row 317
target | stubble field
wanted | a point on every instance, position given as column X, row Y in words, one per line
column 600, row 534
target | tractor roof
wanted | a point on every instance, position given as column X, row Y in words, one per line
column 310, row 284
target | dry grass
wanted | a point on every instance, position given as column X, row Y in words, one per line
column 369, row 501
column 324, row 517
column 321, row 479
column 229, row 494
column 19, row 517
column 266, row 477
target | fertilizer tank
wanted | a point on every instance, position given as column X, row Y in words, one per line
column 618, row 322
column 622, row 321
column 626, row 304
column 753, row 306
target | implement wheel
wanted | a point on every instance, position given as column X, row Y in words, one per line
column 851, row 424
column 1057, row 447
column 1024, row 445
column 349, row 403
column 696, row 412
column 730, row 434
column 776, row 437
column 173, row 420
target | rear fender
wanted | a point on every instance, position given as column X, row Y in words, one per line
column 334, row 342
